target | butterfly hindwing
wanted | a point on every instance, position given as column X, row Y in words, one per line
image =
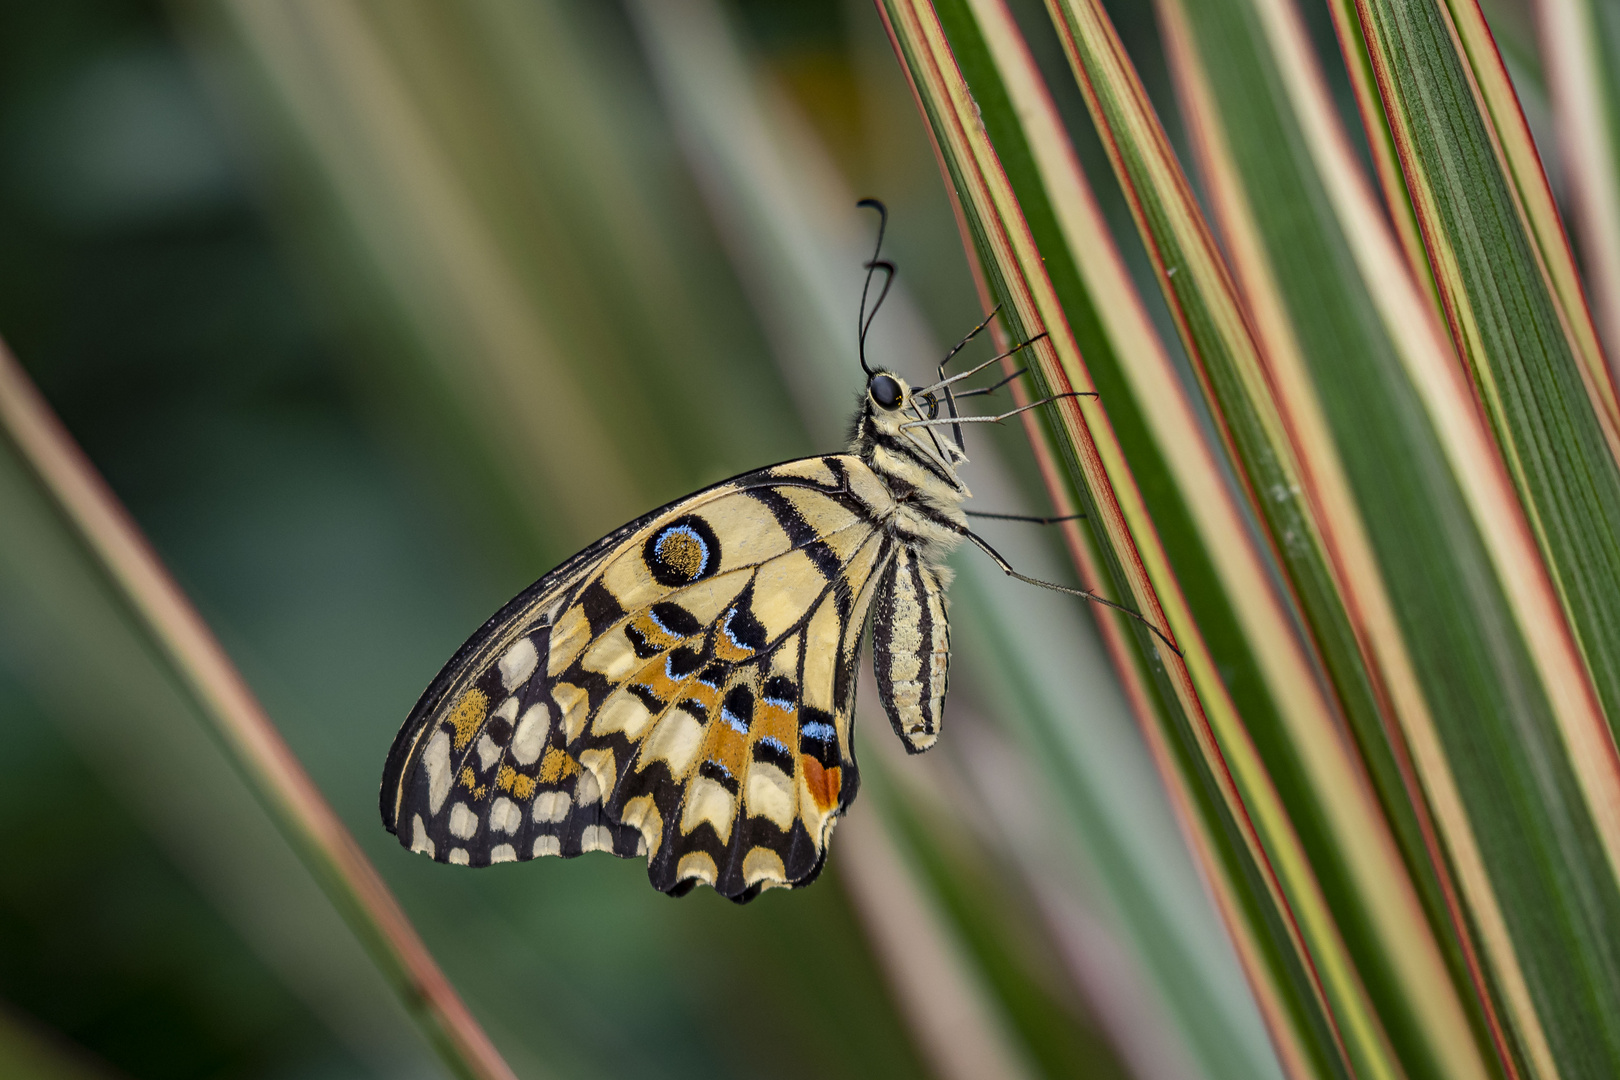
column 682, row 689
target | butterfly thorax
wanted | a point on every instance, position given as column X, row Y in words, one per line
column 918, row 466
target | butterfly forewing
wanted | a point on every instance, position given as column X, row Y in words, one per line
column 682, row 689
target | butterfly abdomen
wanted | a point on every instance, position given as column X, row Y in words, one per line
column 910, row 633
column 911, row 648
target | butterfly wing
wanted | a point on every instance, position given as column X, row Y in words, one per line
column 681, row 689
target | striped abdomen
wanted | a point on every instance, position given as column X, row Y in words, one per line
column 911, row 644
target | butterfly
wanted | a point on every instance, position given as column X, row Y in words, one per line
column 684, row 688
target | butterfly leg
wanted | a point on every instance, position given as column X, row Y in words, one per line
column 960, row 345
column 953, row 420
column 945, row 381
column 930, row 393
column 993, row 387
column 1023, row 517
column 1086, row 594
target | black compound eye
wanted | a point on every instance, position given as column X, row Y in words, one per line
column 885, row 390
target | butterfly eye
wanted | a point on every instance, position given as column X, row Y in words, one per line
column 885, row 390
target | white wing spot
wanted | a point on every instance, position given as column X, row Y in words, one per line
column 622, row 712
column 436, row 760
column 463, row 822
column 599, row 763
column 587, row 790
column 518, row 664
column 503, row 853
column 676, row 740
column 771, row 794
column 505, row 816
column 420, row 841
column 547, row 845
column 530, row 737
column 507, row 711
column 696, row 864
column 642, row 813
column 552, row 805
column 458, row 856
column 596, row 838
column 708, row 801
column 763, row 864
column 488, row 752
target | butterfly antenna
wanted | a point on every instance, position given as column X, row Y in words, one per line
column 864, row 321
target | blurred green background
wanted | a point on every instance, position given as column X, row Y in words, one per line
column 371, row 313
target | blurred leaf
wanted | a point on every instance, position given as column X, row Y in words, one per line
column 1322, row 301
column 1003, row 936
column 1296, row 729
column 1580, row 43
column 1515, row 312
column 190, row 655
column 28, row 1054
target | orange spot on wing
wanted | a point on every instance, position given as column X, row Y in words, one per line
column 652, row 675
column 557, row 766
column 728, row 747
column 468, row 716
column 653, row 633
column 730, row 653
column 780, row 724
column 470, row 782
column 509, row 779
column 823, row 783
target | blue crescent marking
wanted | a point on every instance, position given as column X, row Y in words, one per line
column 818, row 731
column 774, row 743
column 734, row 720
column 731, row 615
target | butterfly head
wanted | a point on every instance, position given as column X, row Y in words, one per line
column 885, row 428
column 887, row 424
